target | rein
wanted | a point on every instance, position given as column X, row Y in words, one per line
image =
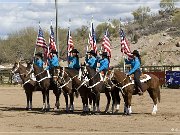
column 28, row 72
column 61, row 77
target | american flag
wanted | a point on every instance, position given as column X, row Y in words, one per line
column 124, row 45
column 52, row 44
column 92, row 39
column 70, row 44
column 41, row 42
column 106, row 46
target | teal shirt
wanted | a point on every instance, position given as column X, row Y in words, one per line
column 39, row 63
column 74, row 63
column 135, row 65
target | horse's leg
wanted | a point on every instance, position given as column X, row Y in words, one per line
column 30, row 100
column 117, row 100
column 94, row 102
column 27, row 100
column 154, row 95
column 47, row 95
column 82, row 98
column 129, row 103
column 125, row 104
column 98, row 101
column 108, row 101
column 90, row 101
column 66, row 100
column 44, row 100
column 57, row 94
column 113, row 101
column 71, row 96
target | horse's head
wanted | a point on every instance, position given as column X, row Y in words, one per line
column 83, row 72
column 118, row 78
column 55, row 73
column 15, row 68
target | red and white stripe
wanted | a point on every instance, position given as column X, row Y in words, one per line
column 106, row 45
column 92, row 44
column 41, row 42
column 52, row 44
column 125, row 48
column 70, row 44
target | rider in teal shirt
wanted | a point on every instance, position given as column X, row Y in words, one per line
column 104, row 62
column 53, row 61
column 135, row 69
column 38, row 60
column 92, row 60
column 74, row 59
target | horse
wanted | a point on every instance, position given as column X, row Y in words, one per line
column 65, row 85
column 44, row 81
column 126, row 86
column 68, row 77
column 97, row 86
column 28, row 84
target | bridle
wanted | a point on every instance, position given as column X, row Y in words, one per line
column 28, row 72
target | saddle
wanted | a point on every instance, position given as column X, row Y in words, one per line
column 142, row 77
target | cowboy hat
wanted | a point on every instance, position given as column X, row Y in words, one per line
column 39, row 54
column 74, row 51
column 135, row 52
column 104, row 54
column 54, row 52
column 92, row 52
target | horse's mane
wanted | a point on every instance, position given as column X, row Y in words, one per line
column 71, row 71
column 92, row 71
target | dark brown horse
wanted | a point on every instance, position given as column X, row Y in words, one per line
column 97, row 86
column 68, row 77
column 30, row 85
column 125, row 84
column 46, row 84
column 65, row 85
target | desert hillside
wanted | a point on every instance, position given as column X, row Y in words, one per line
column 152, row 49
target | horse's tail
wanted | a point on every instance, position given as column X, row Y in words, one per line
column 159, row 94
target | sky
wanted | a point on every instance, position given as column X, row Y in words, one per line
column 18, row 14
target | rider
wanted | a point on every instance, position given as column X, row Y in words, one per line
column 38, row 59
column 135, row 69
column 74, row 59
column 52, row 61
column 104, row 65
column 92, row 60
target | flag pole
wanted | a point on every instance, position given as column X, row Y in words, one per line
column 67, row 57
column 124, row 64
column 57, row 41
column 35, row 45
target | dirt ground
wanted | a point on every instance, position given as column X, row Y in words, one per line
column 14, row 119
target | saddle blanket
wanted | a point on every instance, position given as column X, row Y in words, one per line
column 143, row 79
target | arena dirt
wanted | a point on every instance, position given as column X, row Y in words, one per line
column 15, row 119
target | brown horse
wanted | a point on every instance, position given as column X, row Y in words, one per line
column 68, row 77
column 46, row 84
column 124, row 83
column 97, row 86
column 28, row 84
column 31, row 85
column 65, row 85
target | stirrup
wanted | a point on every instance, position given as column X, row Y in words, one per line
column 49, row 76
column 101, row 77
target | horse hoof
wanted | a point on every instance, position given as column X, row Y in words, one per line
column 153, row 113
column 116, row 111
